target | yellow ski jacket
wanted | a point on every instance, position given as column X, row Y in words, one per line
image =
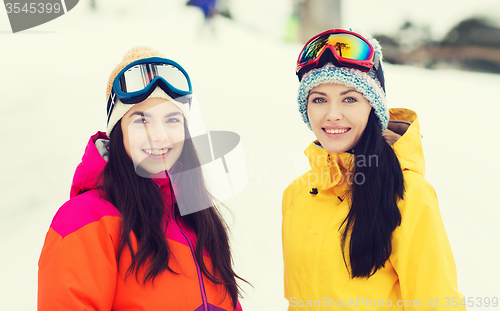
column 420, row 273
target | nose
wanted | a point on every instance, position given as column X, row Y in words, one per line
column 157, row 133
column 334, row 112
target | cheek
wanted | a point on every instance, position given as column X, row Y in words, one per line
column 363, row 114
column 180, row 148
column 177, row 135
column 135, row 139
column 312, row 114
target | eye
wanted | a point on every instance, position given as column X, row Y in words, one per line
column 141, row 121
column 318, row 100
column 350, row 100
column 173, row 120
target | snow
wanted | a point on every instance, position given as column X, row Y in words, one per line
column 53, row 87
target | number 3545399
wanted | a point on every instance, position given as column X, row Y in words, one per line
column 471, row 302
column 33, row 8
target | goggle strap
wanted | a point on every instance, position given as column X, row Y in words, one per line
column 377, row 67
column 376, row 61
column 111, row 103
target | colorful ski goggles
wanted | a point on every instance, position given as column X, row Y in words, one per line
column 342, row 48
column 138, row 80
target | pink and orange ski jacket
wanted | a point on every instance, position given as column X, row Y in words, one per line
column 78, row 268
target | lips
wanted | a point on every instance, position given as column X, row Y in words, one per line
column 157, row 152
column 336, row 130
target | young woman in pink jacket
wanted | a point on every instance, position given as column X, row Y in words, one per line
column 141, row 231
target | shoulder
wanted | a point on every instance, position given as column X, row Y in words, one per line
column 420, row 199
column 296, row 187
column 417, row 186
column 81, row 211
column 422, row 232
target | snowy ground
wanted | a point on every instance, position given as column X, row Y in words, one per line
column 53, row 81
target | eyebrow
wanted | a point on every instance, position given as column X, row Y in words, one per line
column 148, row 115
column 347, row 91
column 341, row 94
column 320, row 93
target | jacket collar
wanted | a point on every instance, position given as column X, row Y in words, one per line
column 95, row 159
column 332, row 169
column 329, row 169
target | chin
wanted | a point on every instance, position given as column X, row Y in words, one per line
column 146, row 168
column 336, row 148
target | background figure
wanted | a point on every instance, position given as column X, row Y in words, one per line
column 310, row 17
column 208, row 7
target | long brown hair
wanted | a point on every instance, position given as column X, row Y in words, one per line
column 142, row 206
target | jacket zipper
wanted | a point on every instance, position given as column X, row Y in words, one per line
column 191, row 248
column 200, row 278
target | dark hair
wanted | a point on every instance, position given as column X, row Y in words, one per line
column 374, row 213
column 142, row 206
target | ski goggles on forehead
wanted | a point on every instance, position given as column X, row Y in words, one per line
column 138, row 80
column 341, row 47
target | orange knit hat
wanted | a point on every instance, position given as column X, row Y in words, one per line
column 134, row 54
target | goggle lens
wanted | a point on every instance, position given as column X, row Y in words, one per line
column 139, row 76
column 346, row 46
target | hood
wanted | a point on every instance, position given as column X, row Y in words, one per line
column 93, row 162
column 88, row 171
column 403, row 134
column 407, row 141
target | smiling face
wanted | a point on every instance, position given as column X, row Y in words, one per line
column 338, row 116
column 153, row 134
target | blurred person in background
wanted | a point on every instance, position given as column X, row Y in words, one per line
column 139, row 232
column 209, row 10
column 362, row 229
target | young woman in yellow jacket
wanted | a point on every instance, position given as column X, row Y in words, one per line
column 362, row 229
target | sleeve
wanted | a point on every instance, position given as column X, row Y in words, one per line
column 238, row 307
column 77, row 269
column 422, row 255
column 285, row 203
column 289, row 195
